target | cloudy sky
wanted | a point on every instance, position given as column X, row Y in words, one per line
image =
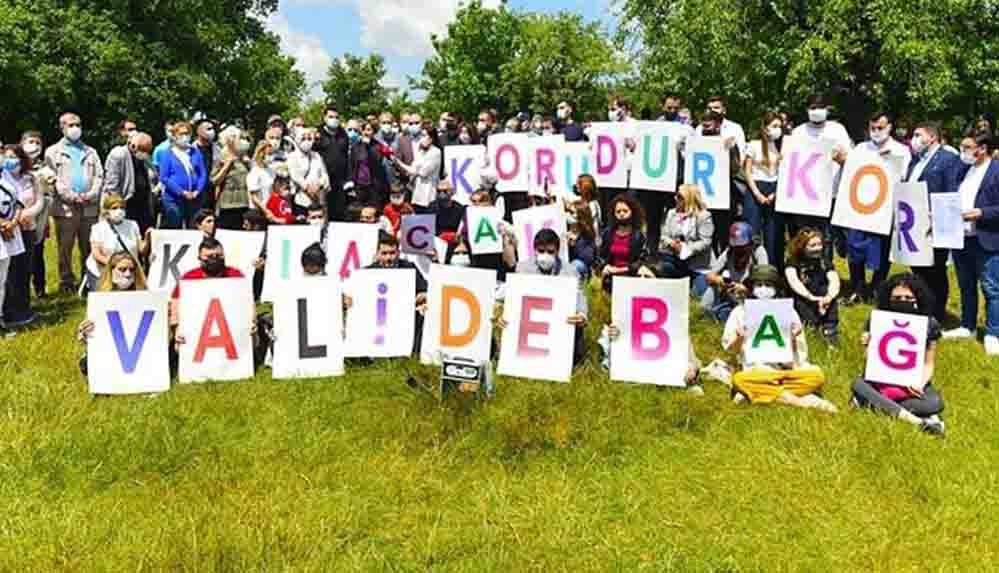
column 316, row 31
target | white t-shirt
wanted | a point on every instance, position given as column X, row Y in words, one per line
column 830, row 131
column 737, row 321
column 730, row 129
column 761, row 170
column 259, row 181
column 105, row 236
column 968, row 189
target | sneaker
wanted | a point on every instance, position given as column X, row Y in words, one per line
column 695, row 390
column 853, row 299
column 958, row 333
column 932, row 426
column 992, row 345
column 718, row 370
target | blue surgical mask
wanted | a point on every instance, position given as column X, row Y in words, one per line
column 12, row 164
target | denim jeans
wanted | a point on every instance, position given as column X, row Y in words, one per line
column 179, row 214
column 989, row 271
column 968, row 272
column 767, row 223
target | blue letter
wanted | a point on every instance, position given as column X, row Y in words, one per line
column 129, row 356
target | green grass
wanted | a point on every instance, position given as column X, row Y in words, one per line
column 361, row 473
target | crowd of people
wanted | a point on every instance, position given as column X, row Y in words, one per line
column 376, row 170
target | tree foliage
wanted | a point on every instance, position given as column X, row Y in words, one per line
column 150, row 61
column 917, row 59
column 354, row 85
column 518, row 62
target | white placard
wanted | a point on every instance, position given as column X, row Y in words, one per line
column 308, row 329
column 896, row 353
column 285, row 244
column 172, row 254
column 527, row 222
column 459, row 315
column 708, row 166
column 483, row 230
column 768, row 331
column 806, row 177
column 381, row 322
column 537, row 341
column 912, row 243
column 544, row 162
column 242, row 248
column 417, row 234
column 128, row 350
column 350, row 246
column 948, row 225
column 653, row 346
column 610, row 158
column 463, row 165
column 216, row 317
column 654, row 167
column 865, row 201
column 508, row 159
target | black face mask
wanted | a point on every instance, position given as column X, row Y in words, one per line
column 710, row 132
column 671, row 115
column 214, row 266
column 903, row 306
column 626, row 222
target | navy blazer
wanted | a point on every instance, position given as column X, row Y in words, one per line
column 987, row 228
column 941, row 174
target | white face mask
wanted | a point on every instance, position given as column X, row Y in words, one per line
column 613, row 115
column 275, row 144
column 184, row 141
column 305, row 145
column 210, row 134
column 316, row 222
column 396, row 199
column 775, row 133
column 918, row 145
column 32, row 149
column 461, row 260
column 968, row 158
column 332, row 123
column 74, row 133
column 122, row 280
column 387, row 129
column 818, row 115
column 482, row 126
column 546, row 261
column 243, row 146
column 563, row 113
column 116, row 215
column 879, row 136
column 764, row 292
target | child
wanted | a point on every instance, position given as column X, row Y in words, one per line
column 908, row 294
column 796, row 382
column 397, row 207
column 279, row 211
column 814, row 283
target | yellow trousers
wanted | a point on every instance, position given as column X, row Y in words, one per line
column 764, row 385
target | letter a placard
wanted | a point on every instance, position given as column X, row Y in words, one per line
column 768, row 331
column 216, row 316
column 653, row 346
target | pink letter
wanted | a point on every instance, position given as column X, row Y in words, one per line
column 654, row 327
column 606, row 142
column 544, row 160
column 798, row 175
column 528, row 327
column 500, row 172
column 908, row 357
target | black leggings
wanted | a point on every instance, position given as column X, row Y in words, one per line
column 868, row 397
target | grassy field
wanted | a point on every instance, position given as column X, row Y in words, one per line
column 361, row 473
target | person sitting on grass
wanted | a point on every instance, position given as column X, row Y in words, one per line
column 622, row 244
column 907, row 294
column 814, row 283
column 796, row 382
column 726, row 287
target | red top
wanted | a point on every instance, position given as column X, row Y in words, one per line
column 619, row 250
column 394, row 214
column 280, row 207
column 199, row 273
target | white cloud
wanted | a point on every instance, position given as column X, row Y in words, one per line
column 310, row 57
column 400, row 27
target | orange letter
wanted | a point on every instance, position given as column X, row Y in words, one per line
column 450, row 294
column 868, row 208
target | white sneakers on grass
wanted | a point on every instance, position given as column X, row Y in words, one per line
column 992, row 345
column 958, row 334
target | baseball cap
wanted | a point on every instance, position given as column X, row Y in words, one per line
column 740, row 234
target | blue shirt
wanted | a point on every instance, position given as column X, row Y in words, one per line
column 163, row 147
column 77, row 175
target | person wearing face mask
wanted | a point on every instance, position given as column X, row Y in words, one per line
column 711, row 127
column 211, row 265
column 388, row 256
column 730, row 131
column 467, row 134
column 183, row 175
column 869, row 250
column 795, row 383
column 163, row 147
column 730, row 270
column 205, row 142
column 622, row 244
column 978, row 262
column 581, row 238
column 44, row 178
column 820, row 128
column 565, row 122
column 113, row 234
column 274, row 136
column 229, row 179
column 547, row 262
column 449, row 212
column 126, row 173
column 278, row 208
column 309, row 181
column 126, row 128
column 123, row 273
column 760, row 169
column 79, row 177
column 366, row 167
column 537, row 125
column 684, row 248
column 296, row 129
column 938, row 168
column 333, row 147
column 405, row 146
column 386, row 137
column 448, row 129
column 814, row 284
column 424, row 172
column 397, row 207
column 486, row 125
column 19, row 191
column 921, row 407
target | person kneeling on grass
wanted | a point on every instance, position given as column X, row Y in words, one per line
column 908, row 294
column 796, row 382
column 612, row 332
column 546, row 262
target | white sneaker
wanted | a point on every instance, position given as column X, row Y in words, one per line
column 718, row 370
column 958, row 333
column 992, row 345
column 695, row 390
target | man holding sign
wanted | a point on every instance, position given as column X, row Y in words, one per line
column 901, row 355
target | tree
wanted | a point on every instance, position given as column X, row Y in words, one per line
column 152, row 61
column 354, row 85
column 918, row 60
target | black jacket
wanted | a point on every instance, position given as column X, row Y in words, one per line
column 421, row 283
column 333, row 149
